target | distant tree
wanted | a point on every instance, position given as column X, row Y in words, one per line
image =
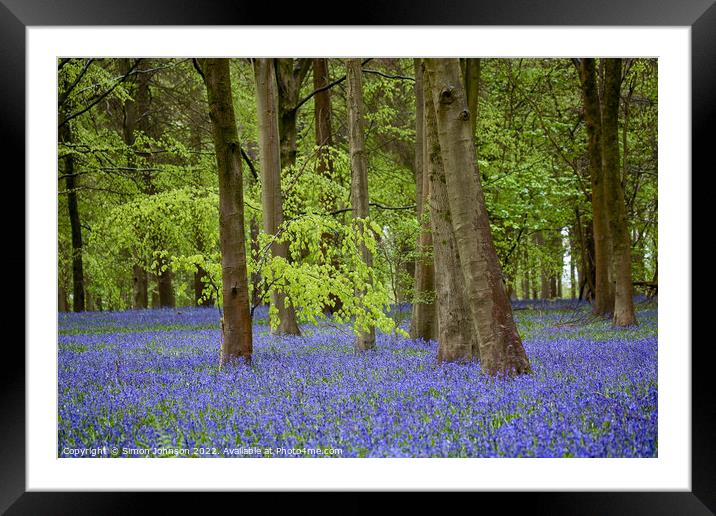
column 423, row 322
column 359, row 175
column 78, row 281
column 135, row 122
column 236, row 324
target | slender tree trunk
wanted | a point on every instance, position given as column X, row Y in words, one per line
column 619, row 225
column 526, row 276
column 359, row 171
column 271, row 198
column 166, row 289
column 423, row 317
column 200, row 288
column 543, row 274
column 78, row 277
column 257, row 291
column 324, row 140
column 236, row 324
column 572, row 266
column 61, row 299
column 604, row 296
column 136, row 118
column 457, row 340
column 501, row 350
column 140, row 298
column 586, row 246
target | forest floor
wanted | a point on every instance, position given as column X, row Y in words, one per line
column 146, row 383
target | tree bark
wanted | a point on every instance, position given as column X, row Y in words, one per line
column 586, row 251
column 572, row 265
column 166, row 289
column 200, row 288
column 526, row 279
column 471, row 76
column 290, row 75
column 271, row 198
column 603, row 295
column 78, row 278
column 359, row 172
column 140, row 297
column 322, row 117
column 255, row 280
column 61, row 299
column 236, row 324
column 457, row 341
column 619, row 225
column 423, row 321
column 501, row 350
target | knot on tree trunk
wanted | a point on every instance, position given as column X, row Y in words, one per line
column 464, row 115
column 447, row 95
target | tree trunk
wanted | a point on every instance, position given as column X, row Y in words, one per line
column 164, row 284
column 457, row 341
column 526, row 280
column 324, row 140
column 543, row 274
column 322, row 115
column 471, row 76
column 423, row 322
column 271, row 198
column 236, row 323
column 604, row 296
column 586, row 246
column 61, row 299
column 359, row 172
column 618, row 223
column 199, row 289
column 136, row 119
column 290, row 75
column 78, row 278
column 501, row 350
column 572, row 266
column 140, row 298
column 257, row 291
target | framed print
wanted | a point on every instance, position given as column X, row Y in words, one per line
column 640, row 463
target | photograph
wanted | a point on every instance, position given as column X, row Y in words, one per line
column 357, row 257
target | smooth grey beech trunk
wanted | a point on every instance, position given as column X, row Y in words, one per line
column 457, row 340
column 501, row 350
column 236, row 324
column 359, row 172
column 271, row 198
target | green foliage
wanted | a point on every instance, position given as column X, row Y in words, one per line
column 151, row 200
column 317, row 274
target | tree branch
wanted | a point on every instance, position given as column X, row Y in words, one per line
column 99, row 99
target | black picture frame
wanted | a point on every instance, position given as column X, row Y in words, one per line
column 16, row 15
